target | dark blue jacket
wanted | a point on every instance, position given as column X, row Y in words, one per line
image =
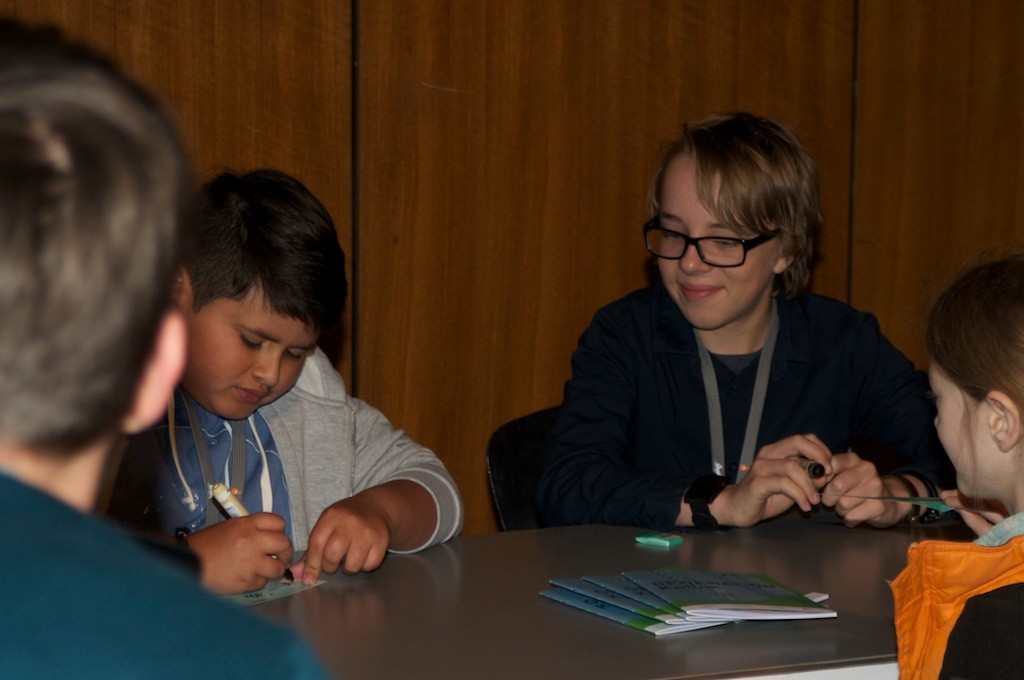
column 633, row 429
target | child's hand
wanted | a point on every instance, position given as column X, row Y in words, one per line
column 774, row 483
column 242, row 554
column 855, row 477
column 352, row 534
column 355, row 533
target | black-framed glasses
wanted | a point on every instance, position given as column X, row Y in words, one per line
column 717, row 251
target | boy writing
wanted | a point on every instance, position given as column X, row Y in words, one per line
column 261, row 410
column 92, row 188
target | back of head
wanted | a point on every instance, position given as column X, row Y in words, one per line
column 976, row 329
column 754, row 174
column 93, row 183
column 264, row 232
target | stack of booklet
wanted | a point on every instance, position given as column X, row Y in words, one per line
column 675, row 600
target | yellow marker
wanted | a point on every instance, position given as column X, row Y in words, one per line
column 228, row 501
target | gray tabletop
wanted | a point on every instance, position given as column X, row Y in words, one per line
column 471, row 609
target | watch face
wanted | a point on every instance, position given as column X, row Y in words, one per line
column 705, row 488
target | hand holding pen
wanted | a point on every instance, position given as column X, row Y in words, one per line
column 813, row 468
column 775, row 481
column 236, row 555
column 232, row 505
column 858, row 493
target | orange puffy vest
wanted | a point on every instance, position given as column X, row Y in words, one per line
column 932, row 590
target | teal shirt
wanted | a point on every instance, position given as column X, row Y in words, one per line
column 85, row 600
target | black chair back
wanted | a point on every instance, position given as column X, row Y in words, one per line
column 516, row 455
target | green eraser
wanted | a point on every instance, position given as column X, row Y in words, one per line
column 659, row 539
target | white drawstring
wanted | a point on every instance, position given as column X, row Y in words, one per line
column 266, row 489
column 189, row 498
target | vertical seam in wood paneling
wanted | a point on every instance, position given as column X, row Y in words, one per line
column 354, row 208
column 852, row 214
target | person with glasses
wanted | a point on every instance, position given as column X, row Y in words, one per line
column 704, row 399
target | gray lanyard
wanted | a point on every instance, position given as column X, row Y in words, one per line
column 206, row 467
column 764, row 368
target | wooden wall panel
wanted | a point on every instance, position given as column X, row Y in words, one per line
column 254, row 83
column 940, row 151
column 505, row 150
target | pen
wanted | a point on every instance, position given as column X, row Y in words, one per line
column 233, row 506
column 813, row 469
column 228, row 501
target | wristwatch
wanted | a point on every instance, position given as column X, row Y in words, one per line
column 699, row 496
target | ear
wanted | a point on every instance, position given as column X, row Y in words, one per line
column 159, row 376
column 783, row 260
column 1004, row 424
column 782, row 264
column 181, row 289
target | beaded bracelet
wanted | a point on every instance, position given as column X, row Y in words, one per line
column 929, row 515
column 915, row 510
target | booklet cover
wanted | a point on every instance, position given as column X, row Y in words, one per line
column 623, row 586
column 728, row 596
column 623, row 616
column 624, row 598
column 675, row 600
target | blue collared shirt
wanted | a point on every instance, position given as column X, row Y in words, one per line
column 190, row 510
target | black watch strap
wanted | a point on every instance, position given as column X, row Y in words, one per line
column 699, row 496
column 181, row 535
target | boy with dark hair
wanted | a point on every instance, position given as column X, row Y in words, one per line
column 93, row 185
column 262, row 410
